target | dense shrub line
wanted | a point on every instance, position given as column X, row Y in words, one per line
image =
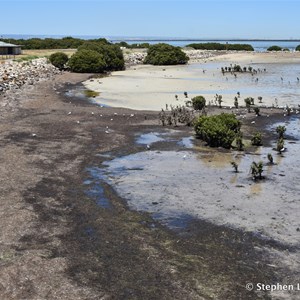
column 219, row 46
column 49, row 43
column 73, row 43
column 65, row 43
column 278, row 48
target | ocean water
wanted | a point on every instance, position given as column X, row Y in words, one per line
column 258, row 45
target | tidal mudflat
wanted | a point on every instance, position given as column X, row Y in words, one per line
column 198, row 182
column 178, row 180
column 71, row 228
column 152, row 87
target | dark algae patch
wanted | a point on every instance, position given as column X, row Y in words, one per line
column 91, row 94
column 123, row 253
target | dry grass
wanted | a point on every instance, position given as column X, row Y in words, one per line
column 46, row 52
column 30, row 54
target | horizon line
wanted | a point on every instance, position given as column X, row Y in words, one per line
column 203, row 39
column 151, row 38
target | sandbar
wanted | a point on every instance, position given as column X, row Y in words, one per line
column 146, row 87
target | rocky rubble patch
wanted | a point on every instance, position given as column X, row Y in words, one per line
column 14, row 75
column 137, row 58
column 196, row 55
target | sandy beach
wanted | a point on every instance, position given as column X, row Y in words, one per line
column 152, row 87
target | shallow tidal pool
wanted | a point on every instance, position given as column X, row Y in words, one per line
column 199, row 183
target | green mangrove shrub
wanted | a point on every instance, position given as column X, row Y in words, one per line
column 236, row 103
column 235, row 166
column 164, row 54
column 274, row 48
column 218, row 130
column 198, row 102
column 280, row 129
column 87, row 61
column 256, row 140
column 270, row 158
column 256, row 170
column 58, row 59
column 239, row 141
column 280, row 145
column 248, row 102
column 257, row 110
column 112, row 54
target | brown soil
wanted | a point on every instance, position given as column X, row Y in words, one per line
column 57, row 243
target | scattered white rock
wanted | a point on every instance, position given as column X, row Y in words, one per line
column 14, row 75
column 137, row 58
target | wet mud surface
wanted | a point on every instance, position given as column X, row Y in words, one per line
column 68, row 234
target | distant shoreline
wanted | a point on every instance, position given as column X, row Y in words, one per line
column 202, row 40
column 259, row 45
column 145, row 39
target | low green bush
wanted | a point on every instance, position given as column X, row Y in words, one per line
column 256, row 140
column 112, row 54
column 87, row 61
column 59, row 59
column 274, row 48
column 198, row 102
column 218, row 130
column 164, row 54
column 280, row 129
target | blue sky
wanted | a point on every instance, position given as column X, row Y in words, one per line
column 188, row 19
